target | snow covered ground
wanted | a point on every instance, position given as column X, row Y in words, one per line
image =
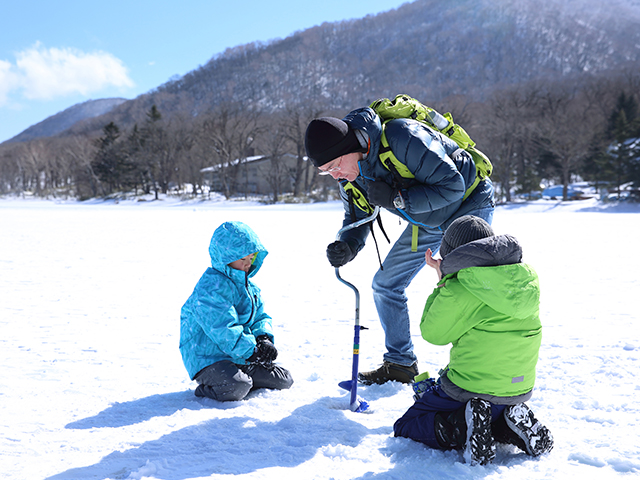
column 93, row 386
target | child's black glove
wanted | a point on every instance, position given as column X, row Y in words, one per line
column 268, row 351
column 339, row 254
column 265, row 352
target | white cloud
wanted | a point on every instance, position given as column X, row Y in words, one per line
column 44, row 74
column 8, row 81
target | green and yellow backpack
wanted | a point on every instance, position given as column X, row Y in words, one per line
column 404, row 106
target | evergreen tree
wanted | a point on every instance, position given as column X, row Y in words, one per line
column 624, row 151
column 108, row 164
column 622, row 116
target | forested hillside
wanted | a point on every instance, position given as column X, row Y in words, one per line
column 539, row 85
column 429, row 49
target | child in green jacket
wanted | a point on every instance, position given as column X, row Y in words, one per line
column 487, row 306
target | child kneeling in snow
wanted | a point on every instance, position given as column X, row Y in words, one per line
column 226, row 339
column 487, row 306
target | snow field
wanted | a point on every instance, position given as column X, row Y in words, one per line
column 93, row 386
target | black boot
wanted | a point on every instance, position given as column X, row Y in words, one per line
column 451, row 429
column 389, row 371
column 479, row 448
column 205, row 391
column 518, row 426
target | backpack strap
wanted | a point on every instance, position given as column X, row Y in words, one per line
column 401, row 174
column 352, row 209
column 356, row 198
column 457, row 152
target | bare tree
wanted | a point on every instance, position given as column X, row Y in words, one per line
column 276, row 174
column 229, row 132
column 566, row 129
column 33, row 160
column 80, row 151
column 10, row 169
column 508, row 123
column 197, row 158
column 294, row 125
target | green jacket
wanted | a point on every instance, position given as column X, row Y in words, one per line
column 489, row 312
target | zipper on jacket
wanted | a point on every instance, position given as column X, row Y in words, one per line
column 253, row 299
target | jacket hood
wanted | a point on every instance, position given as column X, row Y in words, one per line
column 232, row 241
column 485, row 252
column 490, row 269
column 365, row 120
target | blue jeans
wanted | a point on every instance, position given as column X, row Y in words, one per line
column 398, row 270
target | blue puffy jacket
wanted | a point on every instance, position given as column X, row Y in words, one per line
column 224, row 314
column 435, row 195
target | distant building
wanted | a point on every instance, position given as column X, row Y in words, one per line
column 257, row 174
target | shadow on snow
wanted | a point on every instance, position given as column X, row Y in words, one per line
column 138, row 411
column 233, row 446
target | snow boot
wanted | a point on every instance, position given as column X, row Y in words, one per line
column 518, row 426
column 203, row 391
column 451, row 429
column 479, row 448
column 387, row 372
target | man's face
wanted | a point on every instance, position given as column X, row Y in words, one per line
column 345, row 166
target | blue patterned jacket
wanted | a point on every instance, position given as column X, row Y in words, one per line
column 224, row 314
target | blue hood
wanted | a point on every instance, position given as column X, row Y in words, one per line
column 232, row 241
column 366, row 119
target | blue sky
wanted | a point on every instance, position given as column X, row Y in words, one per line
column 55, row 54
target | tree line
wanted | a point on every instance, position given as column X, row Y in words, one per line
column 555, row 132
column 558, row 133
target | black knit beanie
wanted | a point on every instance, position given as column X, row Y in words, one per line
column 464, row 230
column 328, row 138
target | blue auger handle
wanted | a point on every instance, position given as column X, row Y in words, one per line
column 356, row 404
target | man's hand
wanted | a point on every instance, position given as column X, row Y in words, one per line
column 382, row 194
column 339, row 254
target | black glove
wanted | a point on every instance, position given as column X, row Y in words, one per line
column 340, row 253
column 254, row 356
column 265, row 351
column 382, row 194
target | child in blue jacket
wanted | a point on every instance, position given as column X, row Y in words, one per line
column 226, row 338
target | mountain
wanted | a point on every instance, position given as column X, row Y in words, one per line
column 67, row 118
column 429, row 49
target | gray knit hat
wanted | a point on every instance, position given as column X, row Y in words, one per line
column 464, row 230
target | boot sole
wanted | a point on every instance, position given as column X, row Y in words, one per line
column 479, row 448
column 536, row 437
